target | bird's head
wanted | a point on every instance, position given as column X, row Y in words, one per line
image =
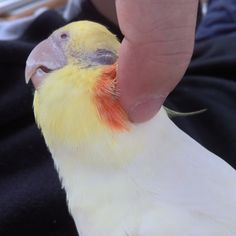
column 74, row 74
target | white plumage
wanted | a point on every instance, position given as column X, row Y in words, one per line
column 122, row 179
column 154, row 180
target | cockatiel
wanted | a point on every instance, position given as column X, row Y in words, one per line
column 122, row 179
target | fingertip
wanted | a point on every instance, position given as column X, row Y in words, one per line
column 145, row 109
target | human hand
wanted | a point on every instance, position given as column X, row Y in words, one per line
column 155, row 52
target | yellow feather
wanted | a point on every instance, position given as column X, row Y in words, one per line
column 64, row 108
column 63, row 105
column 86, row 37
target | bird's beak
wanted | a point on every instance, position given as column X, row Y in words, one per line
column 47, row 56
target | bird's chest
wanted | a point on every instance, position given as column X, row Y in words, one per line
column 103, row 202
column 110, row 202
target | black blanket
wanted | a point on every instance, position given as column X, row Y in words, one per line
column 32, row 202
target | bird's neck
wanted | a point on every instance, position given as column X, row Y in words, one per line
column 119, row 149
column 154, row 141
column 113, row 170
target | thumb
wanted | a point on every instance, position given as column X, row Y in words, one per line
column 154, row 54
column 145, row 80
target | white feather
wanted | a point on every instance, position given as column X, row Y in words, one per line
column 154, row 180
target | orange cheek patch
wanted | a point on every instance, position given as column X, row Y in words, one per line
column 107, row 100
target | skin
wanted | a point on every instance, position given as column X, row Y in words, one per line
column 156, row 50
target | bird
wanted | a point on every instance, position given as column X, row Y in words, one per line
column 121, row 178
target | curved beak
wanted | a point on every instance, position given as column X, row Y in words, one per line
column 47, row 56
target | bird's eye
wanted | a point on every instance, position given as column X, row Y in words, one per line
column 64, row 35
column 103, row 57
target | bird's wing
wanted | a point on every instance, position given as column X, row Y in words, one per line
column 189, row 178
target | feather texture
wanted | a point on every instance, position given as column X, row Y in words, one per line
column 107, row 100
column 152, row 180
column 125, row 179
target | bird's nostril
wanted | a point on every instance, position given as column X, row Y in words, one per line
column 64, row 36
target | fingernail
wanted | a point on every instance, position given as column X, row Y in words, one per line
column 146, row 108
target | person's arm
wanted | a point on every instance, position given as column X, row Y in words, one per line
column 156, row 50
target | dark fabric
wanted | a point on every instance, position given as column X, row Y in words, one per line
column 31, row 199
column 210, row 83
column 32, row 202
column 219, row 20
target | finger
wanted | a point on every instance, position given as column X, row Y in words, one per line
column 152, row 63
